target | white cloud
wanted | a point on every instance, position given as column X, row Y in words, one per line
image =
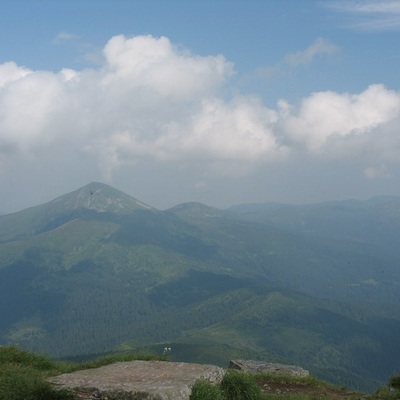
column 27, row 107
column 369, row 15
column 157, row 65
column 151, row 100
column 239, row 130
column 10, row 72
column 326, row 116
column 320, row 47
column 63, row 37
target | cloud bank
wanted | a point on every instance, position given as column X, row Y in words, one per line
column 152, row 101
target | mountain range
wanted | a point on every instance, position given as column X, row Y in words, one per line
column 317, row 285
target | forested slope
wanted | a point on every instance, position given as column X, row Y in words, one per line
column 95, row 269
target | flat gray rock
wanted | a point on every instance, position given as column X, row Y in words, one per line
column 138, row 380
column 255, row 367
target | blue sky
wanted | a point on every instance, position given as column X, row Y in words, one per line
column 216, row 101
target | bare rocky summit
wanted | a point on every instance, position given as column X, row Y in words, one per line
column 138, row 380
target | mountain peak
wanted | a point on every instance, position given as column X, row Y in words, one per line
column 95, row 196
column 99, row 197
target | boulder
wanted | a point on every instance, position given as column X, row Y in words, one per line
column 138, row 380
column 255, row 367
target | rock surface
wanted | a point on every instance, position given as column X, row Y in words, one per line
column 255, row 367
column 138, row 380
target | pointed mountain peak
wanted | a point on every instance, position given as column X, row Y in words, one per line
column 95, row 196
column 101, row 198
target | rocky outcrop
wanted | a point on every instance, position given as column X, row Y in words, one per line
column 255, row 367
column 138, row 380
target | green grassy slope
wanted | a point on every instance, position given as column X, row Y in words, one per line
column 338, row 344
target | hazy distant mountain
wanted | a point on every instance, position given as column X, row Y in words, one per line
column 196, row 210
column 94, row 197
column 317, row 285
column 376, row 221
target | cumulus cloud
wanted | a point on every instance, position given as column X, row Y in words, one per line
column 236, row 130
column 27, row 107
column 10, row 72
column 152, row 100
column 158, row 66
column 326, row 116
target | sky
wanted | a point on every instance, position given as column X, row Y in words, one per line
column 217, row 101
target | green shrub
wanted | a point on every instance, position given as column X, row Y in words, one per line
column 240, row 386
column 23, row 376
column 394, row 382
column 19, row 382
column 16, row 355
column 205, row 390
column 384, row 393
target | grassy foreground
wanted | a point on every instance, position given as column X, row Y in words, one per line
column 238, row 385
column 23, row 374
column 23, row 377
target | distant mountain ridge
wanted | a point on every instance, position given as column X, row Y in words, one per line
column 195, row 209
column 376, row 220
column 315, row 285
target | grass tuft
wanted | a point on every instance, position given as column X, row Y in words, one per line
column 240, row 386
column 205, row 390
column 16, row 355
column 22, row 376
column 394, row 382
